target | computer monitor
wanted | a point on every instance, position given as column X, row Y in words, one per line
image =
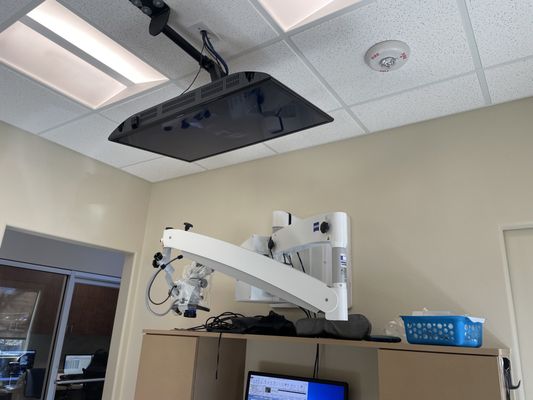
column 26, row 359
column 14, row 363
column 265, row 386
column 74, row 363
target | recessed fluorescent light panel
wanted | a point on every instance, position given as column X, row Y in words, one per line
column 77, row 76
column 45, row 61
column 296, row 13
column 72, row 28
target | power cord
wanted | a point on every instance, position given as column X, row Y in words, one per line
column 317, row 362
column 161, row 268
column 197, row 73
column 306, row 312
column 211, row 49
column 301, row 262
column 218, row 355
column 218, row 322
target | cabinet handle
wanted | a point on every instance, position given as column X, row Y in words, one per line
column 508, row 378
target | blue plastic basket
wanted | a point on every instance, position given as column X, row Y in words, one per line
column 449, row 330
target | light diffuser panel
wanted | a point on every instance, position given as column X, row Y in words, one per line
column 75, row 30
column 296, row 13
column 31, row 53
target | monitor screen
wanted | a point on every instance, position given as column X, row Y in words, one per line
column 74, row 364
column 13, row 363
column 263, row 386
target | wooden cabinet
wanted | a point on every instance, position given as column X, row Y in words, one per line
column 182, row 365
column 190, row 368
column 439, row 376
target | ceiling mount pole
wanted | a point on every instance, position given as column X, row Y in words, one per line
column 159, row 25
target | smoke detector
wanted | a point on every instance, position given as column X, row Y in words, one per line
column 387, row 56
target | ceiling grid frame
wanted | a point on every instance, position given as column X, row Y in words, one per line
column 470, row 26
column 469, row 30
column 287, row 38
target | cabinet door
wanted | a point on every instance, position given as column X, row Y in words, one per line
column 409, row 375
column 219, row 373
column 166, row 368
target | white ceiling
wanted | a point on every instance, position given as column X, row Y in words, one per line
column 465, row 54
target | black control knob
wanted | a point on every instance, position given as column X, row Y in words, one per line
column 157, row 257
column 134, row 122
column 187, row 226
column 324, row 227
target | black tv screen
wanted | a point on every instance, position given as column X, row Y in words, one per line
column 238, row 110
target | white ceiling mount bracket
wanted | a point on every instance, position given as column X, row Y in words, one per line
column 196, row 31
column 388, row 55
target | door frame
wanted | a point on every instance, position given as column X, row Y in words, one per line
column 516, row 361
column 58, row 337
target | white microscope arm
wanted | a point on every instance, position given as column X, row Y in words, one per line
column 260, row 271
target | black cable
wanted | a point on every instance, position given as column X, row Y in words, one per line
column 219, row 322
column 301, row 263
column 161, row 268
column 218, row 355
column 317, row 362
column 306, row 312
column 290, row 260
column 214, row 57
column 217, row 56
column 155, row 303
column 211, row 49
column 197, row 73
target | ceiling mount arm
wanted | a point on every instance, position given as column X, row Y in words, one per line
column 158, row 24
column 263, row 272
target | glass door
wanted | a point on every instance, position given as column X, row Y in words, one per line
column 84, row 338
column 30, row 305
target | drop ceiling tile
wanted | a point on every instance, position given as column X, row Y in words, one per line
column 433, row 29
column 125, row 24
column 121, row 111
column 342, row 127
column 237, row 156
column 163, row 168
column 89, row 135
column 449, row 97
column 237, row 23
column 28, row 105
column 283, row 64
column 511, row 81
column 503, row 29
column 12, row 10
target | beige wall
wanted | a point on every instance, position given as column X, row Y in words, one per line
column 54, row 191
column 426, row 203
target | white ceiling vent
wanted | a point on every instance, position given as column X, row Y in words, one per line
column 387, row 56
